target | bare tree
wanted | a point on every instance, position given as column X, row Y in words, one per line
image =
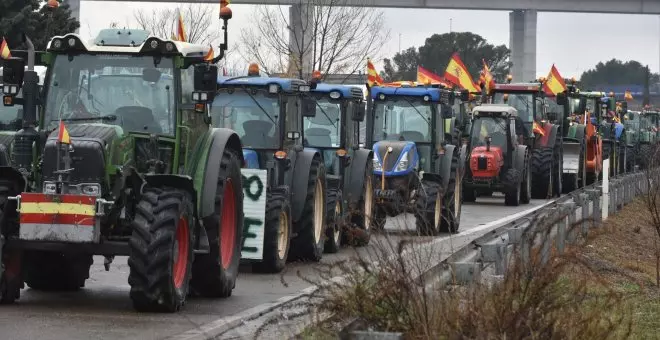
column 197, row 19
column 323, row 35
column 651, row 199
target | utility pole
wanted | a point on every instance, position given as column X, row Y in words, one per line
column 450, row 19
column 399, row 43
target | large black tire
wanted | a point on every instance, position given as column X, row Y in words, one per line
column 558, row 170
column 161, row 250
column 277, row 230
column 209, row 277
column 309, row 243
column 512, row 184
column 428, row 209
column 453, row 199
column 542, row 172
column 367, row 217
column 11, row 280
column 55, row 271
column 469, row 194
column 335, row 224
column 526, row 184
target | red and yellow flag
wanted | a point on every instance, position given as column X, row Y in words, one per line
column 180, row 30
column 174, row 37
column 5, row 53
column 628, row 96
column 488, row 81
column 224, row 3
column 458, row 74
column 373, row 78
column 210, row 55
column 425, row 77
column 537, row 129
column 555, row 83
column 63, row 134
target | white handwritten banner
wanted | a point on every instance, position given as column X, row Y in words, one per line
column 254, row 208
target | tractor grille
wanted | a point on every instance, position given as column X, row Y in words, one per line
column 482, row 163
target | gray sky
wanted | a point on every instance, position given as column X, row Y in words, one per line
column 575, row 42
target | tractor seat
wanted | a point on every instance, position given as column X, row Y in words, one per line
column 412, row 136
column 257, row 134
column 318, row 137
column 138, row 118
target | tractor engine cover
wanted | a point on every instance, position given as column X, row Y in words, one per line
column 486, row 163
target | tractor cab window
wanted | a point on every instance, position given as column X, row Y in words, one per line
column 523, row 103
column 403, row 119
column 493, row 127
column 323, row 130
column 252, row 113
column 132, row 92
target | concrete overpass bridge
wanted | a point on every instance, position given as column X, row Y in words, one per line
column 522, row 17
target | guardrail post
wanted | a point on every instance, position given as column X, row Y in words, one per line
column 498, row 254
column 595, row 199
column 584, row 204
column 466, row 272
column 606, row 193
column 613, row 186
column 570, row 235
column 561, row 234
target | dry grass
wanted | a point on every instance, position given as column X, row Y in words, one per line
column 603, row 288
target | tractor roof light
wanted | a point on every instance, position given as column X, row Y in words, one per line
column 69, row 42
column 316, row 75
column 253, row 70
column 509, row 78
column 273, row 88
column 280, row 154
column 335, row 94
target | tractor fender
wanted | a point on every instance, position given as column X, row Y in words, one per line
column 444, row 167
column 10, row 173
column 354, row 184
column 181, row 182
column 4, row 156
column 220, row 140
column 462, row 159
column 519, row 161
column 302, row 164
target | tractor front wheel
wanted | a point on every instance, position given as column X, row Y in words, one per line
column 334, row 214
column 161, row 250
column 367, row 216
column 512, row 187
column 542, row 176
column 428, row 209
column 309, row 243
column 214, row 274
column 277, row 233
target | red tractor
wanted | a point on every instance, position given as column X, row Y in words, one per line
column 497, row 161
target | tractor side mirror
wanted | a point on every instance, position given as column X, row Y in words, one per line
column 308, row 107
column 205, row 83
column 562, row 99
column 359, row 112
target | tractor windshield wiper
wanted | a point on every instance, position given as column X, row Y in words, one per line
column 419, row 113
column 108, row 118
column 324, row 113
column 259, row 105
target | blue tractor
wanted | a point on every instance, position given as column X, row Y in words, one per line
column 415, row 166
column 284, row 183
column 335, row 132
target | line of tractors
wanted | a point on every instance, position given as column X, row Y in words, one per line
column 133, row 145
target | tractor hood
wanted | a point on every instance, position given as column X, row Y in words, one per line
column 88, row 152
column 401, row 161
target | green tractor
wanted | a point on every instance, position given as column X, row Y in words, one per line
column 648, row 135
column 121, row 160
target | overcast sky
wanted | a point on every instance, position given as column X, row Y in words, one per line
column 599, row 37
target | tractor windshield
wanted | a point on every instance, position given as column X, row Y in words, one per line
column 323, row 130
column 130, row 91
column 253, row 115
column 403, row 119
column 523, row 102
column 493, row 127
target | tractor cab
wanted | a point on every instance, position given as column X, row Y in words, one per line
column 528, row 100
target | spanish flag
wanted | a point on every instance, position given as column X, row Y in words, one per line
column 5, row 53
column 426, row 77
column 63, row 134
column 224, row 3
column 628, row 96
column 537, row 129
column 458, row 74
column 373, row 78
column 210, row 55
column 488, row 80
column 174, row 37
column 555, row 83
column 180, row 30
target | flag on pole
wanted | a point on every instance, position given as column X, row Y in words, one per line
column 210, row 55
column 224, row 3
column 458, row 74
column 555, row 83
column 488, row 81
column 373, row 78
column 63, row 134
column 5, row 53
column 628, row 96
column 180, row 30
column 425, row 76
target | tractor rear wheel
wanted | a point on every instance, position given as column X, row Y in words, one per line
column 334, row 214
column 277, row 235
column 309, row 243
column 453, row 200
column 542, row 172
column 55, row 271
column 10, row 261
column 161, row 250
column 214, row 274
column 512, row 186
column 526, row 185
column 428, row 209
column 368, row 215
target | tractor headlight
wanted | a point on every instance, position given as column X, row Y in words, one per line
column 377, row 165
column 91, row 189
column 403, row 163
column 49, row 188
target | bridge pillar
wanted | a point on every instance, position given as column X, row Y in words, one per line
column 74, row 6
column 301, row 43
column 522, row 42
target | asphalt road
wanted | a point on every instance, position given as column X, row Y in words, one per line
column 103, row 309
